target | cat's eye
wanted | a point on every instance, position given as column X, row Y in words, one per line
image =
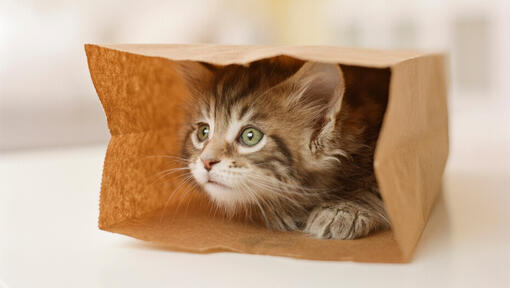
column 250, row 136
column 203, row 132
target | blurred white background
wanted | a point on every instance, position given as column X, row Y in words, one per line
column 47, row 97
column 53, row 137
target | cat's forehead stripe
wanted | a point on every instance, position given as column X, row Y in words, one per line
column 238, row 119
column 258, row 116
column 243, row 111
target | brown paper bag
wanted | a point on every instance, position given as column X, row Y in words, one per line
column 142, row 95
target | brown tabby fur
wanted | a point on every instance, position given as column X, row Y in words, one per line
column 308, row 176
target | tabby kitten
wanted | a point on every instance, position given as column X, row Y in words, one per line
column 276, row 136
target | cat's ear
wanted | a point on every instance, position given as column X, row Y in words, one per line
column 197, row 76
column 317, row 90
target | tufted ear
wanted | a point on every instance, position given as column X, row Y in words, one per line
column 317, row 91
column 197, row 76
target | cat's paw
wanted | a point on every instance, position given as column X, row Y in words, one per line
column 341, row 220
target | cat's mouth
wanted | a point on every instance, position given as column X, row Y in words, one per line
column 217, row 184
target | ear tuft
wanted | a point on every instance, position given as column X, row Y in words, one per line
column 319, row 88
column 315, row 92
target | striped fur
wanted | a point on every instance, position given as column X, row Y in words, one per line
column 312, row 170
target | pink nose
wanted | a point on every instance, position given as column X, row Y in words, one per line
column 208, row 163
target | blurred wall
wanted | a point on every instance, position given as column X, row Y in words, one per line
column 47, row 97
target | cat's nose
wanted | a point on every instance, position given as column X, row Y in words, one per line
column 208, row 163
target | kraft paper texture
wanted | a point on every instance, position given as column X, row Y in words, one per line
column 142, row 96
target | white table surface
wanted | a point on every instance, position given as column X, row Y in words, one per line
column 49, row 235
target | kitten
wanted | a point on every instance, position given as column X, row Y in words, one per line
column 277, row 136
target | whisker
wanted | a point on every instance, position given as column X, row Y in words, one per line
column 172, row 157
column 254, row 197
column 290, row 186
column 168, row 173
column 188, row 177
column 181, row 198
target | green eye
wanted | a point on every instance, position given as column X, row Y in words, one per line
column 251, row 136
column 203, row 132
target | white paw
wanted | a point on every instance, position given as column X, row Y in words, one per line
column 342, row 220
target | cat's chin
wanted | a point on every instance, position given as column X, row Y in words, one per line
column 223, row 194
column 216, row 185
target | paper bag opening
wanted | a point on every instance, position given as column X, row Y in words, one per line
column 142, row 96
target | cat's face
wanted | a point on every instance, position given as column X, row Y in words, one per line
column 251, row 140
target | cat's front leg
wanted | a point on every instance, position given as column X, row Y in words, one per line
column 345, row 219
